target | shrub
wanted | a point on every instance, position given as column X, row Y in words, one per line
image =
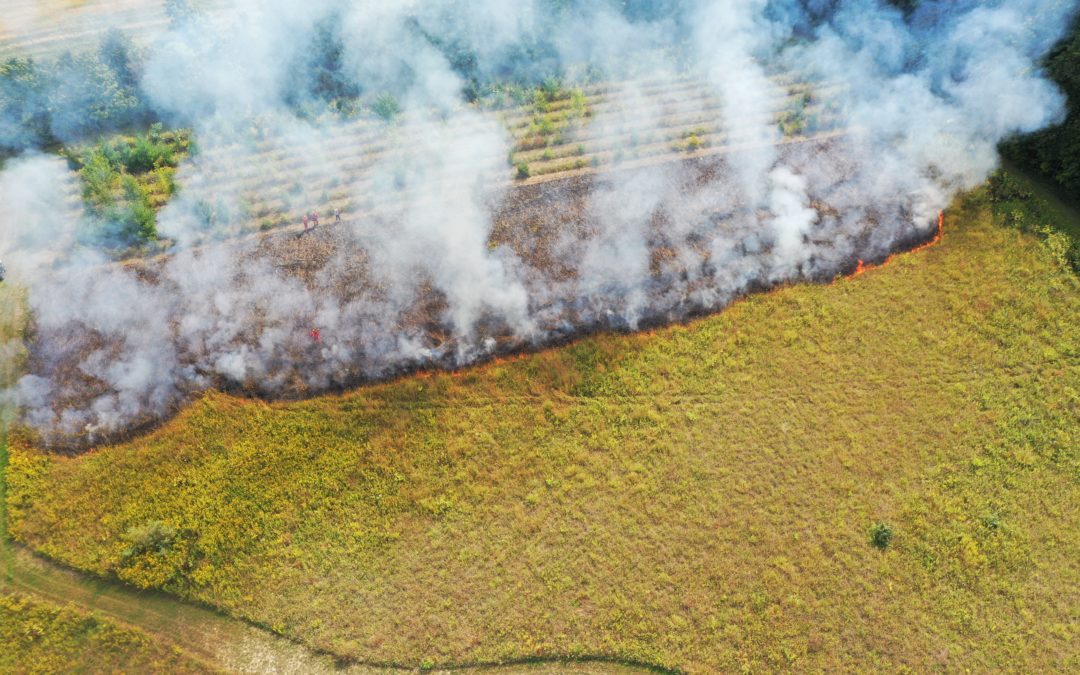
column 145, row 154
column 881, row 536
column 1003, row 187
column 523, row 170
column 153, row 537
column 578, row 102
column 386, row 106
column 540, row 101
column 98, row 177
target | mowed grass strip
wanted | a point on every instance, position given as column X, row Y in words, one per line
column 700, row 497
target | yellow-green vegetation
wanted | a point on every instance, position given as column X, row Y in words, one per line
column 126, row 180
column 41, row 638
column 879, row 474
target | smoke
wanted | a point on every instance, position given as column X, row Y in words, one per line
column 440, row 260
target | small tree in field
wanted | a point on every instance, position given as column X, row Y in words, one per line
column 881, row 536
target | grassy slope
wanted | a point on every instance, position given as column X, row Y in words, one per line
column 37, row 635
column 699, row 497
column 42, row 638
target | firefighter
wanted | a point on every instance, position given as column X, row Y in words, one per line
column 3, row 271
column 315, row 219
column 337, row 216
column 305, row 222
column 316, row 335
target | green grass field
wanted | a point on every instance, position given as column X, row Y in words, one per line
column 697, row 498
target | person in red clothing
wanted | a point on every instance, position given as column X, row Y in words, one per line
column 316, row 336
column 305, row 222
column 315, row 219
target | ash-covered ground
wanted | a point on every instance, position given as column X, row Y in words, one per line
column 294, row 314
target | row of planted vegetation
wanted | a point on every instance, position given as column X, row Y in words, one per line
column 125, row 180
column 86, row 105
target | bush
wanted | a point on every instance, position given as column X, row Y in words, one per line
column 1004, row 188
column 386, row 107
column 881, row 536
column 523, row 171
column 153, row 537
column 98, row 178
column 145, row 154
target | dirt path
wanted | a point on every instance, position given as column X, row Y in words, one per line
column 208, row 636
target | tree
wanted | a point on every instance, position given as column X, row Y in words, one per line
column 115, row 52
column 24, row 105
column 1055, row 152
column 88, row 98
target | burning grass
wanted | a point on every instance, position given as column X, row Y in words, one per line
column 548, row 231
column 699, row 497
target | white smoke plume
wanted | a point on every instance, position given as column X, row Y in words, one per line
column 440, row 260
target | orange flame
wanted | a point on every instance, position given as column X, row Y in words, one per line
column 862, row 267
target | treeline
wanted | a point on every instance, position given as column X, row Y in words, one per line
column 1055, row 152
column 43, row 104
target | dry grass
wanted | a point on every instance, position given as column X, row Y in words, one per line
column 41, row 638
column 699, row 497
column 47, row 28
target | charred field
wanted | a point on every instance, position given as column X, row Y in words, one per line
column 541, row 224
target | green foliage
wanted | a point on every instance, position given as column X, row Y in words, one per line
column 125, row 180
column 792, row 123
column 98, row 180
column 88, row 98
column 881, row 535
column 1055, row 152
column 118, row 54
column 24, row 105
column 146, row 153
column 386, row 107
column 71, row 98
column 1015, row 205
column 137, row 220
column 153, row 537
column 523, row 171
